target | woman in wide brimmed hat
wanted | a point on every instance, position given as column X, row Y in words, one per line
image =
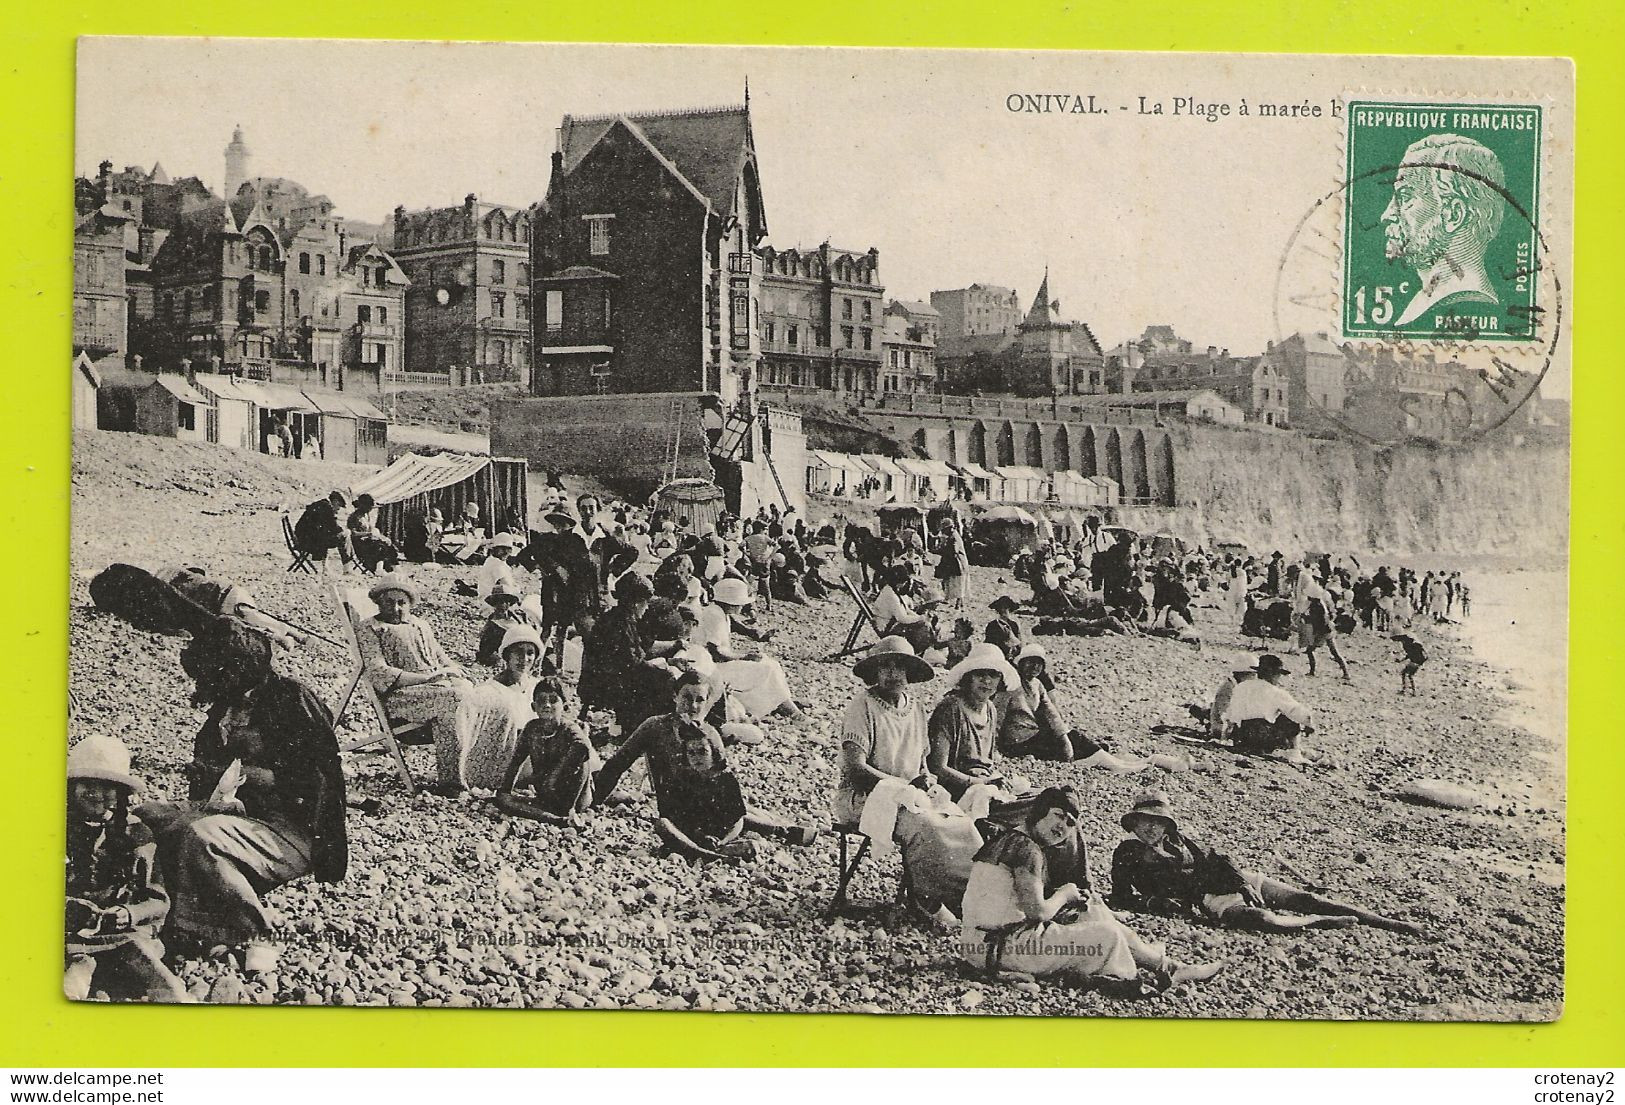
column 414, row 678
column 1027, row 915
column 266, row 797
column 1032, row 725
column 884, row 751
column 964, row 726
column 115, row 900
column 1159, row 869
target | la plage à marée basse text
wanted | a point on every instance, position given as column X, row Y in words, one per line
column 1190, row 107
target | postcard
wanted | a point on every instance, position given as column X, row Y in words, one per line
column 819, row 530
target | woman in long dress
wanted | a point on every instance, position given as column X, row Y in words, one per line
column 755, row 679
column 1021, row 919
column 953, row 564
column 499, row 708
column 884, row 749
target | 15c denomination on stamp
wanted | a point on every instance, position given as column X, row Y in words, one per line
column 1440, row 236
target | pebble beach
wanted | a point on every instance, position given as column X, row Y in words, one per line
column 449, row 904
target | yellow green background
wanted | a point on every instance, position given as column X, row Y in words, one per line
column 39, row 1028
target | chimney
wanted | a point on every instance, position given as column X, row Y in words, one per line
column 191, row 377
column 214, row 364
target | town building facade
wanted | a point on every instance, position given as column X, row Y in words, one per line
column 1045, row 354
column 822, row 319
column 643, row 256
column 978, row 310
column 100, row 305
column 909, row 348
column 1161, row 361
column 469, row 303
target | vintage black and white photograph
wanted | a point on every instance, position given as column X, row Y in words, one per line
column 818, row 530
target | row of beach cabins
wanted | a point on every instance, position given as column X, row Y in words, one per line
column 230, row 411
column 911, row 480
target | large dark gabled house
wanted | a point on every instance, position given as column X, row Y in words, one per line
column 645, row 275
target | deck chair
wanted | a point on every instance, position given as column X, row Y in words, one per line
column 353, row 607
column 301, row 559
column 865, row 617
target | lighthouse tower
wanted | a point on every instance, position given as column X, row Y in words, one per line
column 236, row 163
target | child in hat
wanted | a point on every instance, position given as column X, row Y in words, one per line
column 115, row 902
column 507, row 613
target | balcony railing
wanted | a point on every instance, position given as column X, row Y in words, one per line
column 374, row 330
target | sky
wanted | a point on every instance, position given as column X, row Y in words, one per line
column 1139, row 218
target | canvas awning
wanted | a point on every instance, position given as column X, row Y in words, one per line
column 975, row 472
column 223, row 387
column 884, row 465
column 926, row 468
column 180, row 389
column 447, row 482
column 1009, row 514
column 415, row 475
column 842, row 462
column 1021, row 472
column 285, row 398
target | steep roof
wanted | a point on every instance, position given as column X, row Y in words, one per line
column 1045, row 312
column 707, row 148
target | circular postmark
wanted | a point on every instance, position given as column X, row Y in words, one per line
column 1394, row 319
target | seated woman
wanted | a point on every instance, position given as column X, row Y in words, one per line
column 265, row 797
column 1158, row 869
column 704, row 813
column 755, row 679
column 414, row 678
column 886, row 786
column 497, row 571
column 1031, row 725
column 964, row 726
column 659, row 742
column 1022, row 921
column 554, row 756
column 789, row 567
column 496, row 710
column 372, row 549
column 895, row 615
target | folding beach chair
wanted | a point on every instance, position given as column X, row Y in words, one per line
column 301, row 558
column 849, row 858
column 865, row 617
column 354, row 607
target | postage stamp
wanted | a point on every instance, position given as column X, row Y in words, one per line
column 1441, row 235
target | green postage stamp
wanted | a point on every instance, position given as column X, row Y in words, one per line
column 1440, row 235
